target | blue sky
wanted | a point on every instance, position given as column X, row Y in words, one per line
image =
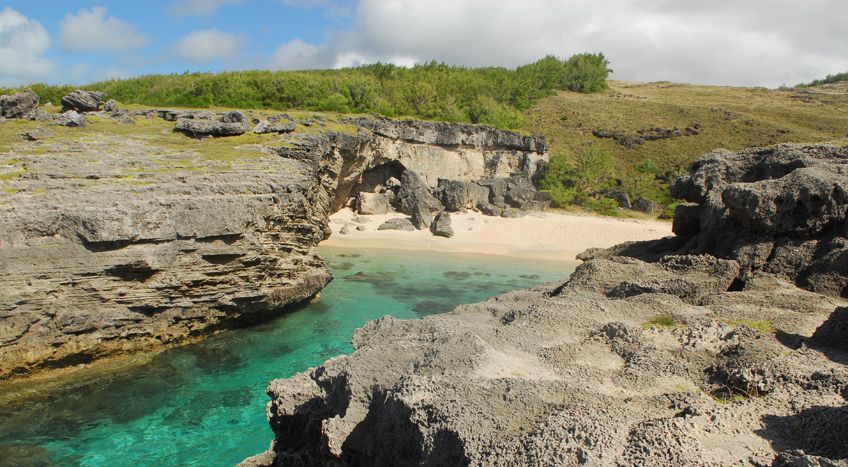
column 751, row 42
column 159, row 25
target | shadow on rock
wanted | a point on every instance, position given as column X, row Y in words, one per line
column 818, row 431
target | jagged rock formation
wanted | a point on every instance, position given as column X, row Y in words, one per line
column 652, row 353
column 97, row 262
column 20, row 105
column 82, row 101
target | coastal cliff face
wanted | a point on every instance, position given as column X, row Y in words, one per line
column 111, row 243
column 690, row 350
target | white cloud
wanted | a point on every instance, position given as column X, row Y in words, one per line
column 23, row 42
column 210, row 44
column 181, row 8
column 756, row 42
column 296, row 55
column 91, row 30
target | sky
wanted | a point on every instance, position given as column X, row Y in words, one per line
column 724, row 42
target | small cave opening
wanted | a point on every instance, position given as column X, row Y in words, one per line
column 383, row 178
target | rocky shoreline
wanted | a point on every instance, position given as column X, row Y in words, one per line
column 726, row 344
column 113, row 242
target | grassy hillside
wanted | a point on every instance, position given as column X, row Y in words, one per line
column 491, row 95
column 717, row 117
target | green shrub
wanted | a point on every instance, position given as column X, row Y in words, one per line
column 586, row 73
column 492, row 95
column 603, row 206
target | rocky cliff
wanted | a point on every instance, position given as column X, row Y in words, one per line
column 700, row 349
column 121, row 235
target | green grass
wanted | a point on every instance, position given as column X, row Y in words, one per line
column 663, row 321
column 759, row 325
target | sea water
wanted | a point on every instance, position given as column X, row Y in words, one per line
column 203, row 404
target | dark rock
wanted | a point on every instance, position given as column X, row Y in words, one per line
column 512, row 213
column 459, row 195
column 412, row 192
column 687, row 220
column 40, row 116
column 398, row 223
column 82, row 101
column 422, row 218
column 489, row 209
column 621, row 197
column 70, row 118
column 498, row 187
column 20, row 105
column 111, row 105
column 372, row 203
column 441, row 225
column 644, row 205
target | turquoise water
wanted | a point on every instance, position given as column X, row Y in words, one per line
column 203, row 404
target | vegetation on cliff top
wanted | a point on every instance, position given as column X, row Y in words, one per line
column 495, row 96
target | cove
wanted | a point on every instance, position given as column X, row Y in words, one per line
column 203, row 404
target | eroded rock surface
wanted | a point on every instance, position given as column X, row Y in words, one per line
column 112, row 244
column 685, row 351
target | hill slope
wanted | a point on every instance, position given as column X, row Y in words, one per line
column 716, row 117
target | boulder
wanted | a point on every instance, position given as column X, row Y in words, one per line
column 111, row 105
column 422, row 218
column 441, row 225
column 644, row 205
column 82, row 101
column 347, row 228
column 621, row 197
column 489, row 209
column 70, row 118
column 274, row 127
column 459, row 195
column 687, row 220
column 372, row 203
column 20, row 105
column 413, row 191
column 227, row 124
column 398, row 223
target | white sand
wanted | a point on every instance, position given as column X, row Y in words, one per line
column 549, row 235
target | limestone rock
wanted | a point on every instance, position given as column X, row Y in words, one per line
column 488, row 209
column 398, row 223
column 227, row 124
column 414, row 192
column 441, row 226
column 69, row 118
column 111, row 105
column 457, row 195
column 20, row 105
column 274, row 127
column 372, row 203
column 621, row 197
column 82, row 101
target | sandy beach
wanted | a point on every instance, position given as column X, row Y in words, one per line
column 547, row 235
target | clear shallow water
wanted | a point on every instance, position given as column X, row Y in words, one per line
column 203, row 404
